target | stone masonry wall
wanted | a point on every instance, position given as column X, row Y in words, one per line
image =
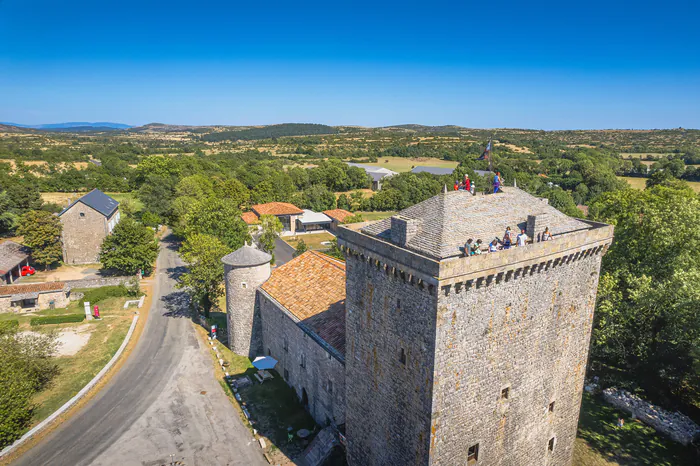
column 59, row 297
column 388, row 401
column 98, row 282
column 83, row 236
column 326, row 403
column 529, row 334
column 243, row 313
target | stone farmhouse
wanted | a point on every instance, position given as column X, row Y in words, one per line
column 13, row 257
column 423, row 356
column 86, row 223
column 34, row 296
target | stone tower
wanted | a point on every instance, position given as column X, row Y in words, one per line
column 468, row 360
column 244, row 270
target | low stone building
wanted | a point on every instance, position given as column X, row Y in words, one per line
column 13, row 257
column 86, row 223
column 338, row 217
column 34, row 297
column 441, row 359
column 296, row 315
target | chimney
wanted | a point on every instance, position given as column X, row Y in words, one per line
column 404, row 229
column 536, row 225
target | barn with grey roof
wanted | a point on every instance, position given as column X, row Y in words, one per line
column 86, row 223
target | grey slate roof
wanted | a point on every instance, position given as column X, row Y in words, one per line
column 247, row 256
column 97, row 200
column 433, row 170
column 377, row 173
column 448, row 220
column 11, row 254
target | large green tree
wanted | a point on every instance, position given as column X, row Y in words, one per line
column 26, row 367
column 130, row 248
column 647, row 321
column 271, row 227
column 203, row 280
column 42, row 233
column 218, row 218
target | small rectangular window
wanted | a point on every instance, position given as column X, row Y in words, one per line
column 286, row 374
column 402, row 357
column 551, row 407
column 286, row 345
column 550, row 446
column 244, row 285
column 505, row 392
column 303, row 361
column 473, row 454
column 329, row 355
column 398, row 303
column 329, row 386
column 269, row 353
column 82, row 214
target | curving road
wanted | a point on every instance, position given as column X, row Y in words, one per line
column 164, row 401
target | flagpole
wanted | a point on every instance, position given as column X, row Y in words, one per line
column 491, row 155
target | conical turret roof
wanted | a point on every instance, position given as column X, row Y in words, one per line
column 247, row 256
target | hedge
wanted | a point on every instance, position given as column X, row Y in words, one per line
column 8, row 324
column 100, row 294
column 57, row 319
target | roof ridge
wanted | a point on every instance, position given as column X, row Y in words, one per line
column 330, row 259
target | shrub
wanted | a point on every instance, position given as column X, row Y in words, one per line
column 8, row 324
column 133, row 288
column 100, row 294
column 57, row 319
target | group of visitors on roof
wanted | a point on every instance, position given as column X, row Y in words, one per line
column 465, row 185
column 473, row 248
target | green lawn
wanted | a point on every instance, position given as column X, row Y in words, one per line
column 404, row 164
column 313, row 241
column 77, row 370
column 601, row 442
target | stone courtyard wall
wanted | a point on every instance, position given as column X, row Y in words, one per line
column 326, row 403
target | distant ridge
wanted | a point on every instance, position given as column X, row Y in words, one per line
column 72, row 125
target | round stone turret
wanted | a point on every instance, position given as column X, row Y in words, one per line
column 244, row 271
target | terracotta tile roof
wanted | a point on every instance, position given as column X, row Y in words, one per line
column 31, row 288
column 250, row 218
column 312, row 288
column 338, row 214
column 277, row 208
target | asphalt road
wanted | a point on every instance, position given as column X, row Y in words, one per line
column 164, row 401
column 283, row 252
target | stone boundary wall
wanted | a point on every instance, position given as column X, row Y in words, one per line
column 678, row 426
column 46, row 422
column 97, row 282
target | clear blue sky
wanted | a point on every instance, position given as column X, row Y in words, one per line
column 528, row 64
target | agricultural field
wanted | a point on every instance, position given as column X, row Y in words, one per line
column 63, row 199
column 640, row 183
column 403, row 164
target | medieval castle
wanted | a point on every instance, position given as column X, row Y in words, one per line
column 422, row 356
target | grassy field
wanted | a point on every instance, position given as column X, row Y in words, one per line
column 640, row 183
column 372, row 216
column 601, row 443
column 77, row 370
column 313, row 241
column 63, row 199
column 403, row 164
